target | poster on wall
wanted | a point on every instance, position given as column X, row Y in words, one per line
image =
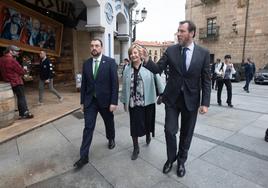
column 29, row 30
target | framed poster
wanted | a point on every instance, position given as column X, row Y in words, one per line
column 28, row 29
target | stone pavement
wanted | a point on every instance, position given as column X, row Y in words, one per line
column 228, row 150
column 51, row 110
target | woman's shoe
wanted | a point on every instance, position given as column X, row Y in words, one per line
column 135, row 153
column 148, row 139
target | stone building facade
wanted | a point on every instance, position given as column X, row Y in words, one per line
column 235, row 27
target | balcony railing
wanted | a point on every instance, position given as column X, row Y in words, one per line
column 209, row 1
column 203, row 33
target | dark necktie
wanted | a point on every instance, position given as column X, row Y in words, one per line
column 184, row 59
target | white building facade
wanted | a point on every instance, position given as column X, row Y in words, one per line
column 109, row 20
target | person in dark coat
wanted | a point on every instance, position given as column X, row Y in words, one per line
column 249, row 72
column 46, row 77
column 99, row 94
column 187, row 92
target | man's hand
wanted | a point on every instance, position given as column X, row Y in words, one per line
column 145, row 55
column 82, row 108
column 203, row 109
column 112, row 108
column 47, row 81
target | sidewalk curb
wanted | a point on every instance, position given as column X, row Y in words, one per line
column 5, row 139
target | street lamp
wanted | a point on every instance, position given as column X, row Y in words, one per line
column 135, row 21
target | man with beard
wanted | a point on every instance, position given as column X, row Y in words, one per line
column 99, row 94
column 12, row 72
column 189, row 77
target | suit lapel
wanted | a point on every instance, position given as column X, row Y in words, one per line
column 90, row 70
column 178, row 64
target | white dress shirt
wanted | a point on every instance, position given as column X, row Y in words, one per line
column 189, row 54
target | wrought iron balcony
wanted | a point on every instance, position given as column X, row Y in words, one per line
column 209, row 35
column 209, row 1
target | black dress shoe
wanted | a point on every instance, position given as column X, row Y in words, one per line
column 81, row 162
column 111, row 144
column 167, row 167
column 219, row 103
column 135, row 153
column 148, row 139
column 230, row 105
column 181, row 170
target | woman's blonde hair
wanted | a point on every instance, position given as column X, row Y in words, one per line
column 135, row 46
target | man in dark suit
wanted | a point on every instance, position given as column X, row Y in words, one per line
column 99, row 93
column 189, row 75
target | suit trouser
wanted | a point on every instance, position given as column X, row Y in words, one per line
column 248, row 79
column 188, row 120
column 90, row 114
column 51, row 89
column 21, row 100
column 228, row 85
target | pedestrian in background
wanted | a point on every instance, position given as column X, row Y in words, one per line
column 226, row 70
column 250, row 69
column 214, row 74
column 99, row 94
column 46, row 77
column 188, row 87
column 12, row 72
column 139, row 96
column 125, row 64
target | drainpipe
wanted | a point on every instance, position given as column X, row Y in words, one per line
column 131, row 7
column 245, row 32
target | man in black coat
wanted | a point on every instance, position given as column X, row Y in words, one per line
column 46, row 77
column 99, row 94
column 189, row 77
column 249, row 72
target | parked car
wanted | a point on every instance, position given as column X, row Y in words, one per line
column 261, row 76
column 240, row 73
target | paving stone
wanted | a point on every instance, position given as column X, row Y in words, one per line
column 11, row 172
column 169, row 183
column 199, row 146
column 203, row 174
column 213, row 132
column 122, row 137
column 246, row 166
column 261, row 122
column 257, row 145
column 70, row 131
column 8, row 149
column 253, row 131
column 87, row 177
column 45, row 153
column 67, row 121
column 121, row 171
column 156, row 155
column 99, row 148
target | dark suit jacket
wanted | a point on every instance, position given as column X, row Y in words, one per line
column 105, row 86
column 249, row 70
column 46, row 69
column 195, row 80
